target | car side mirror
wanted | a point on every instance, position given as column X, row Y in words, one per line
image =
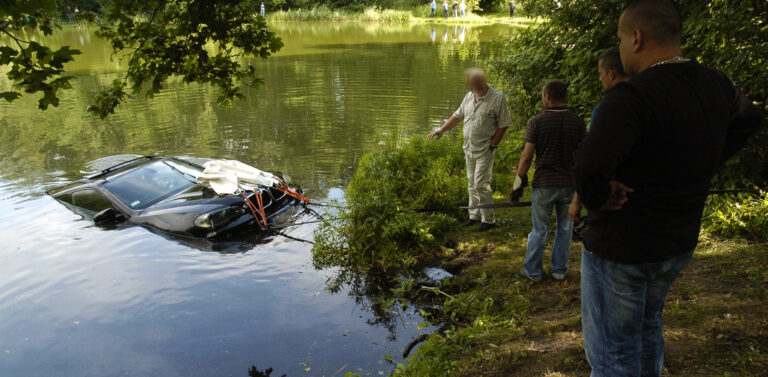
column 109, row 215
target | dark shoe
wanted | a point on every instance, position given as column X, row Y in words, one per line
column 470, row 222
column 485, row 226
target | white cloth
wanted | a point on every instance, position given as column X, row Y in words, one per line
column 229, row 176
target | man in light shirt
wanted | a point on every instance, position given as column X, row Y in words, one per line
column 486, row 117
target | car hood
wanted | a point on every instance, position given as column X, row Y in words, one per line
column 177, row 213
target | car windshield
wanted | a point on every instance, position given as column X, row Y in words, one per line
column 148, row 184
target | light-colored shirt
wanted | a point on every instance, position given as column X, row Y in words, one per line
column 463, row 6
column 481, row 119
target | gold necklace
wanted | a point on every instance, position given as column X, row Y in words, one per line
column 671, row 60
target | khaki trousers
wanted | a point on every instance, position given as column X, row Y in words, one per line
column 479, row 172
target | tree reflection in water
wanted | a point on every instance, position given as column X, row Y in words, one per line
column 390, row 297
column 254, row 372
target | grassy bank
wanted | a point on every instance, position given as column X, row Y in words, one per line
column 505, row 325
column 373, row 14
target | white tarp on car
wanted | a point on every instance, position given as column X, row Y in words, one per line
column 229, row 176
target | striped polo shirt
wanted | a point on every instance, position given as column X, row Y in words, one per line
column 556, row 132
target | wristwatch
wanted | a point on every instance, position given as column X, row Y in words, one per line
column 492, row 147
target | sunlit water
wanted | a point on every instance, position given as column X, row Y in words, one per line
column 76, row 300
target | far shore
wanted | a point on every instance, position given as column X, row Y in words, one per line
column 392, row 16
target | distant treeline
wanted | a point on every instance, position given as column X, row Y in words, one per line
column 477, row 6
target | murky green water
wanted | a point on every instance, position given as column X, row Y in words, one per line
column 76, row 300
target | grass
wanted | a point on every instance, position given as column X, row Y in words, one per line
column 505, row 325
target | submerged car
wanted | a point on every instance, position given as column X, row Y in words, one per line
column 162, row 194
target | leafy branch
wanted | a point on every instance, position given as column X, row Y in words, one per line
column 200, row 41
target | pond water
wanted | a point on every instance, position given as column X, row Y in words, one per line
column 76, row 300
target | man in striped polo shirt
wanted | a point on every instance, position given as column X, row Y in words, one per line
column 552, row 136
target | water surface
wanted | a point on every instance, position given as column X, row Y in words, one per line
column 76, row 300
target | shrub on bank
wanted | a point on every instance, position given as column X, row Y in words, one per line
column 378, row 228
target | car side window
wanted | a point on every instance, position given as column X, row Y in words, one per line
column 90, row 200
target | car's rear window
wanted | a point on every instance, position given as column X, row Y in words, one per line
column 149, row 184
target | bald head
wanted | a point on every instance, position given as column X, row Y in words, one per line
column 659, row 20
column 650, row 32
column 476, row 80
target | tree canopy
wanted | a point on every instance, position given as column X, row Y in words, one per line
column 731, row 36
column 201, row 41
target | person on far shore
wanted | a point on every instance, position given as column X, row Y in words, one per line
column 643, row 173
column 445, row 8
column 433, row 7
column 611, row 73
column 463, row 9
column 69, row 15
column 552, row 136
column 455, row 9
column 486, row 117
column 263, row 10
column 511, row 8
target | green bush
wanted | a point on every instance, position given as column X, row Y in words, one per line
column 727, row 35
column 745, row 217
column 378, row 228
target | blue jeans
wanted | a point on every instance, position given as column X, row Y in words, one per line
column 621, row 307
column 544, row 201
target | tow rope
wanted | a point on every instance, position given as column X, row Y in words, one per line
column 258, row 212
column 290, row 191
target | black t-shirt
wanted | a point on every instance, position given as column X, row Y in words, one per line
column 557, row 133
column 664, row 133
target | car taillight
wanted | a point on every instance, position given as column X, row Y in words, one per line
column 217, row 219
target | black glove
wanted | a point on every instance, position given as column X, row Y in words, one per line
column 516, row 192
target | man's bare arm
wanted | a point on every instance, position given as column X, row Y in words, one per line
column 498, row 136
column 575, row 209
column 526, row 159
column 449, row 124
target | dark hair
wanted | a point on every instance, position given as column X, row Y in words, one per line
column 557, row 90
column 611, row 59
column 659, row 19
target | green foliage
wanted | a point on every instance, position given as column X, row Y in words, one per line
column 438, row 355
column 379, row 229
column 745, row 217
column 728, row 35
column 201, row 41
column 34, row 68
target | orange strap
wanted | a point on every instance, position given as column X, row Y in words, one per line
column 284, row 187
column 258, row 212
